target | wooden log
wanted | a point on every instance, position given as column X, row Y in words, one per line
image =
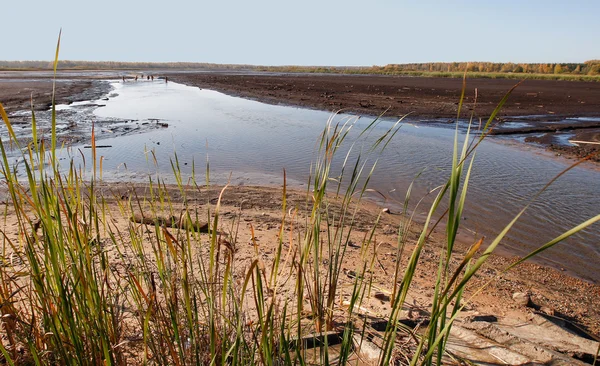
column 172, row 221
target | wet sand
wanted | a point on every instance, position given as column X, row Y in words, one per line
column 424, row 98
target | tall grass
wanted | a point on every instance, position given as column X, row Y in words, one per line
column 85, row 290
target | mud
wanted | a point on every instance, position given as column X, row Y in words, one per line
column 424, row 98
column 22, row 91
column 20, row 94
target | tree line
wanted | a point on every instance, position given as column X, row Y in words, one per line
column 591, row 67
column 115, row 65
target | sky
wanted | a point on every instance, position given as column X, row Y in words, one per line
column 265, row 32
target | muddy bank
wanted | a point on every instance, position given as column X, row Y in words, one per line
column 424, row 98
column 19, row 90
column 571, row 143
column 18, row 94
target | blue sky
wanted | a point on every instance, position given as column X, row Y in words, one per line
column 303, row 32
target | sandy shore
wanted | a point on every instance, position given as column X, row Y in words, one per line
column 260, row 207
column 248, row 211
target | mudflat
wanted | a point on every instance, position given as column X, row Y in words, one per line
column 19, row 95
column 421, row 96
column 542, row 102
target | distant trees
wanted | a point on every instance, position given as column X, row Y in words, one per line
column 558, row 69
column 115, row 65
column 591, row 67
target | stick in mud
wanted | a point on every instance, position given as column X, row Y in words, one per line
column 97, row 146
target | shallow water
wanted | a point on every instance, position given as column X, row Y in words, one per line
column 253, row 142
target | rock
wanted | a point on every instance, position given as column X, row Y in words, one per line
column 388, row 229
column 521, row 298
column 547, row 310
column 351, row 244
column 382, row 297
column 481, row 318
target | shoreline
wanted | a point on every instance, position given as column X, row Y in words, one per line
column 258, row 212
column 552, row 289
column 16, row 95
column 428, row 98
column 421, row 96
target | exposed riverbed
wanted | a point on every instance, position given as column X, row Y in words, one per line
column 253, row 142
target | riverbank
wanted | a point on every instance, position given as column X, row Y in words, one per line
column 18, row 93
column 427, row 98
column 259, row 208
column 251, row 227
column 545, row 113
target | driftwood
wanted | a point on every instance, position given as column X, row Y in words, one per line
column 173, row 222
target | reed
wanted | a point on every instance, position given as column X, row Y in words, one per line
column 87, row 291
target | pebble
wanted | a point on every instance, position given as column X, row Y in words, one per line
column 521, row 298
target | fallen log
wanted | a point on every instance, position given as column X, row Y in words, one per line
column 173, row 222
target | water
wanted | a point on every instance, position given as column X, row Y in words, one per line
column 253, row 142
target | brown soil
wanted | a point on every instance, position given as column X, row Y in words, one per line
column 249, row 228
column 422, row 97
column 260, row 208
column 18, row 94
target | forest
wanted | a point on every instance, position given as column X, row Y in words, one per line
column 588, row 70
